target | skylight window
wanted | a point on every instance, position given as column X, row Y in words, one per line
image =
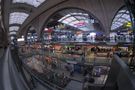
column 18, row 17
column 125, row 15
column 78, row 20
column 122, row 11
column 118, row 15
column 82, row 14
column 13, row 28
column 72, row 18
column 80, row 17
column 12, row 33
column 120, row 19
column 34, row 3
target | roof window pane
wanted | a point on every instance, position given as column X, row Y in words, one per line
column 12, row 33
column 34, row 3
column 122, row 11
column 72, row 18
column 120, row 19
column 118, row 15
column 80, row 17
column 13, row 28
column 17, row 17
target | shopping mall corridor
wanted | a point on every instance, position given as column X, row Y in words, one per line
column 67, row 44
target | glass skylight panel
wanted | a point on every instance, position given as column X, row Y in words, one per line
column 81, row 17
column 114, row 26
column 17, row 17
column 125, row 15
column 122, row 20
column 122, row 11
column 71, row 24
column 86, row 21
column 115, row 19
column 13, row 28
column 65, row 17
column 73, row 13
column 118, row 23
column 75, row 22
column 34, row 3
column 72, row 18
column 68, row 19
column 128, row 18
column 83, row 14
column 127, row 12
column 92, row 21
column 65, row 21
column 78, row 20
column 12, row 33
column 118, row 15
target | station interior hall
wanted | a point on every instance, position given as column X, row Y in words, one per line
column 67, row 44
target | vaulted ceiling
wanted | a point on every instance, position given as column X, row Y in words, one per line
column 19, row 15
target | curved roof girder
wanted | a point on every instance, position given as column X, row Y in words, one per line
column 20, row 10
column 22, row 6
column 19, row 25
column 46, row 6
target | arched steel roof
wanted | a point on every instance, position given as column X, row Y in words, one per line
column 104, row 10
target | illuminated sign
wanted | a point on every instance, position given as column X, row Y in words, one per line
column 128, row 24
